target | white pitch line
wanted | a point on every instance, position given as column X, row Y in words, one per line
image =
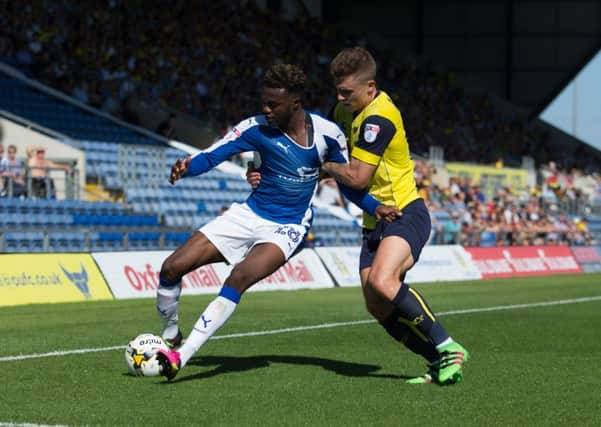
column 310, row 327
column 29, row 425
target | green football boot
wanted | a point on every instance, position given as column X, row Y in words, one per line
column 429, row 377
column 452, row 358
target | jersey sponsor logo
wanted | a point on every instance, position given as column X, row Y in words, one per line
column 306, row 172
column 371, row 132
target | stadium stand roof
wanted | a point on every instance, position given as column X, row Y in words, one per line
column 525, row 52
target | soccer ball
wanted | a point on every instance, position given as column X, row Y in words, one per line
column 140, row 355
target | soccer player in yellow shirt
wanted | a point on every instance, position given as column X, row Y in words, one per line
column 380, row 162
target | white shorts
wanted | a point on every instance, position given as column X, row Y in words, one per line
column 239, row 229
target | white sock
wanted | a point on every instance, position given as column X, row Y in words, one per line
column 214, row 316
column 167, row 302
column 445, row 342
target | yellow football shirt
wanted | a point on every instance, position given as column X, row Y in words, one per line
column 376, row 136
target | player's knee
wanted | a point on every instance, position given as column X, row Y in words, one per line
column 170, row 270
column 384, row 284
column 377, row 281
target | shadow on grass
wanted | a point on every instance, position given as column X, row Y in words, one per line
column 230, row 364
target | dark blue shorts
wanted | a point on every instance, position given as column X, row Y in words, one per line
column 413, row 226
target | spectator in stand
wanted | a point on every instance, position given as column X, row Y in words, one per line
column 466, row 234
column 329, row 193
column 581, row 233
column 13, row 184
column 450, row 229
column 562, row 228
column 42, row 185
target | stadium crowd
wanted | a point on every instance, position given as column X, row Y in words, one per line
column 463, row 214
column 525, row 217
column 204, row 58
column 207, row 58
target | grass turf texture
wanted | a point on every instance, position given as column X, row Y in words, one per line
column 530, row 366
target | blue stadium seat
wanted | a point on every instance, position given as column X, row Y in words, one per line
column 106, row 240
column 176, row 238
column 488, row 239
column 11, row 241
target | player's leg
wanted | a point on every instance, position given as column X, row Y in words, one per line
column 262, row 260
column 195, row 252
column 394, row 324
column 392, row 260
column 382, row 309
column 225, row 238
column 393, row 256
column 270, row 244
column 401, row 244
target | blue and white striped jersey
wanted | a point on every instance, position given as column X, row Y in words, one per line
column 289, row 172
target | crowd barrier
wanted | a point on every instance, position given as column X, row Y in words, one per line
column 589, row 258
column 56, row 277
column 516, row 261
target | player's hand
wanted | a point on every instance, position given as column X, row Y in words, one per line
column 179, row 169
column 253, row 176
column 388, row 213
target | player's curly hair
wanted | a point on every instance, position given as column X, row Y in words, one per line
column 286, row 76
column 353, row 61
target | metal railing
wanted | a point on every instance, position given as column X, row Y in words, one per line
column 514, row 238
column 89, row 235
column 43, row 186
column 580, row 206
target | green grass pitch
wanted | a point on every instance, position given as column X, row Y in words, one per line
column 531, row 365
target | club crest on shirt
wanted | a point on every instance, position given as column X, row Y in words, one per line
column 371, row 132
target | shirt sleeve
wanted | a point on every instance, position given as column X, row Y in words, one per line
column 361, row 198
column 337, row 148
column 234, row 142
column 375, row 134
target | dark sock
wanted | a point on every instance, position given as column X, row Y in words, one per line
column 412, row 306
column 402, row 332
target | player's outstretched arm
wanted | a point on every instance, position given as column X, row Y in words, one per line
column 179, row 169
column 355, row 174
